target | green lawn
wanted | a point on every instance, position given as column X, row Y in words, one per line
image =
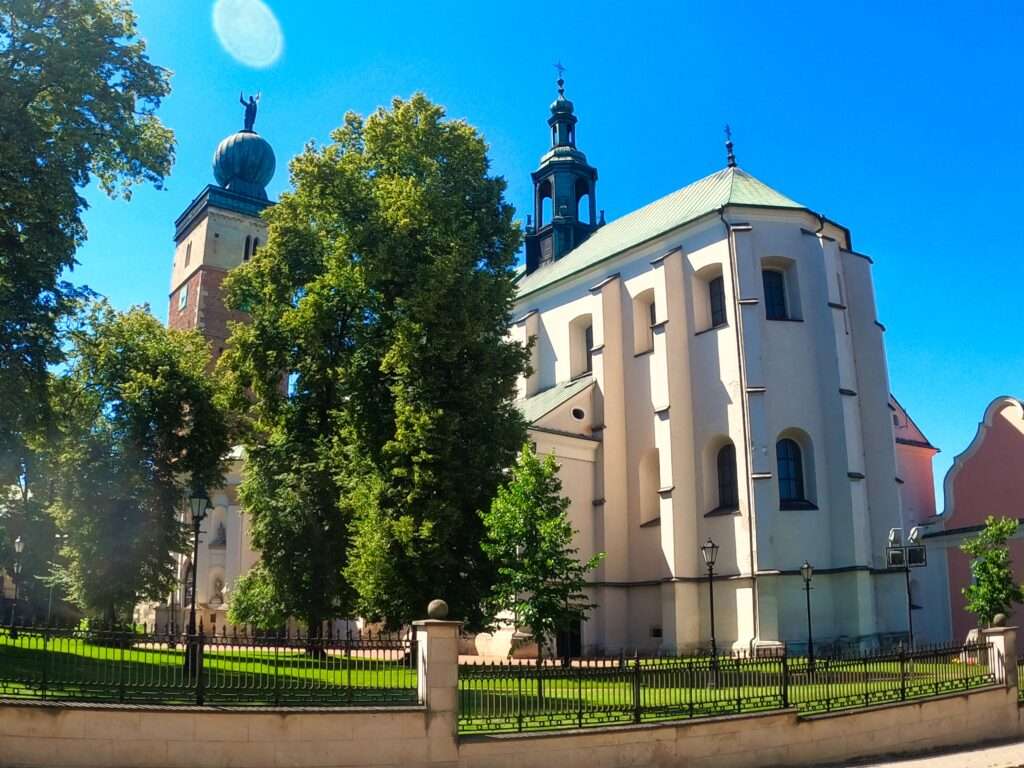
column 71, row 668
column 491, row 697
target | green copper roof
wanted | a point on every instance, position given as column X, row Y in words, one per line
column 540, row 405
column 730, row 186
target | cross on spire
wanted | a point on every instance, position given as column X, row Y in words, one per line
column 730, row 155
column 561, row 78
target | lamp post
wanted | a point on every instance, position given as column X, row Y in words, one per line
column 807, row 572
column 19, row 547
column 904, row 557
column 199, row 502
column 709, row 551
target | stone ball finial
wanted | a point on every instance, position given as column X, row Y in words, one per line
column 438, row 610
column 999, row 620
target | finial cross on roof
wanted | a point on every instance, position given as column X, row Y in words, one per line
column 730, row 155
column 561, row 78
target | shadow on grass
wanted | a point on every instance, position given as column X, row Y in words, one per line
column 86, row 672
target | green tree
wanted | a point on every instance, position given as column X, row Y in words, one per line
column 541, row 579
column 77, row 102
column 384, row 291
column 139, row 422
column 255, row 600
column 994, row 589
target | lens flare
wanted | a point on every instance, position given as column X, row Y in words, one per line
column 249, row 31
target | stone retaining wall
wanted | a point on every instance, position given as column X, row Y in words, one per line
column 47, row 735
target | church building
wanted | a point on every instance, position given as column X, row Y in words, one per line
column 708, row 369
column 711, row 367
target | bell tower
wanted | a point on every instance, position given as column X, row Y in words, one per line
column 564, row 191
column 220, row 230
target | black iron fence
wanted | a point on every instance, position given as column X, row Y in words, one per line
column 1020, row 679
column 524, row 695
column 235, row 670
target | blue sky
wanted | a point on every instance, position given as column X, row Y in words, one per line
column 903, row 123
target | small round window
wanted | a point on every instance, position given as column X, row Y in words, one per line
column 578, row 414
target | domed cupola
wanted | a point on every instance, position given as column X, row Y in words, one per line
column 244, row 162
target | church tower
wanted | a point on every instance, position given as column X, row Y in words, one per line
column 219, row 230
column 564, row 189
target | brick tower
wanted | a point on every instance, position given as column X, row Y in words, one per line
column 220, row 229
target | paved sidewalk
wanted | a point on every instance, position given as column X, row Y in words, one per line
column 1000, row 756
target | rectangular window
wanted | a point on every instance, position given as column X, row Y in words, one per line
column 188, row 253
column 774, row 294
column 183, row 297
column 716, row 296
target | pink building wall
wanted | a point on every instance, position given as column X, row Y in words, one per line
column 986, row 479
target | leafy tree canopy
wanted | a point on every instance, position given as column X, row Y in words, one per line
column 138, row 421
column 541, row 579
column 77, row 101
column 994, row 589
column 384, row 291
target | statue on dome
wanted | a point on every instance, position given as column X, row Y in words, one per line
column 250, row 110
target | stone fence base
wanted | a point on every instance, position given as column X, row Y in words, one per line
column 48, row 735
column 51, row 736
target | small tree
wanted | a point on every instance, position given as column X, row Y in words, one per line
column 138, row 422
column 255, row 601
column 529, row 539
column 994, row 589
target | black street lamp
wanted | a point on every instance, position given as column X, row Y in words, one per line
column 199, row 502
column 19, row 547
column 807, row 572
column 900, row 556
column 709, row 551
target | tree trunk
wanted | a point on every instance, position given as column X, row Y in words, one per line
column 314, row 637
column 540, row 671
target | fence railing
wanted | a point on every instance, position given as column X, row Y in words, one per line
column 522, row 695
column 177, row 668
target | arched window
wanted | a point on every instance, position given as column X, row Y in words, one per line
column 774, row 294
column 588, row 344
column 791, row 474
column 645, row 315
column 248, row 245
column 728, row 489
column 545, row 204
column 582, row 192
column 581, row 344
column 716, row 300
column 255, row 245
column 650, row 501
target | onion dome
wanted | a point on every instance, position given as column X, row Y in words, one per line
column 561, row 106
column 244, row 163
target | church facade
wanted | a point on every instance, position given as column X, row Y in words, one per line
column 712, row 367
column 708, row 367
